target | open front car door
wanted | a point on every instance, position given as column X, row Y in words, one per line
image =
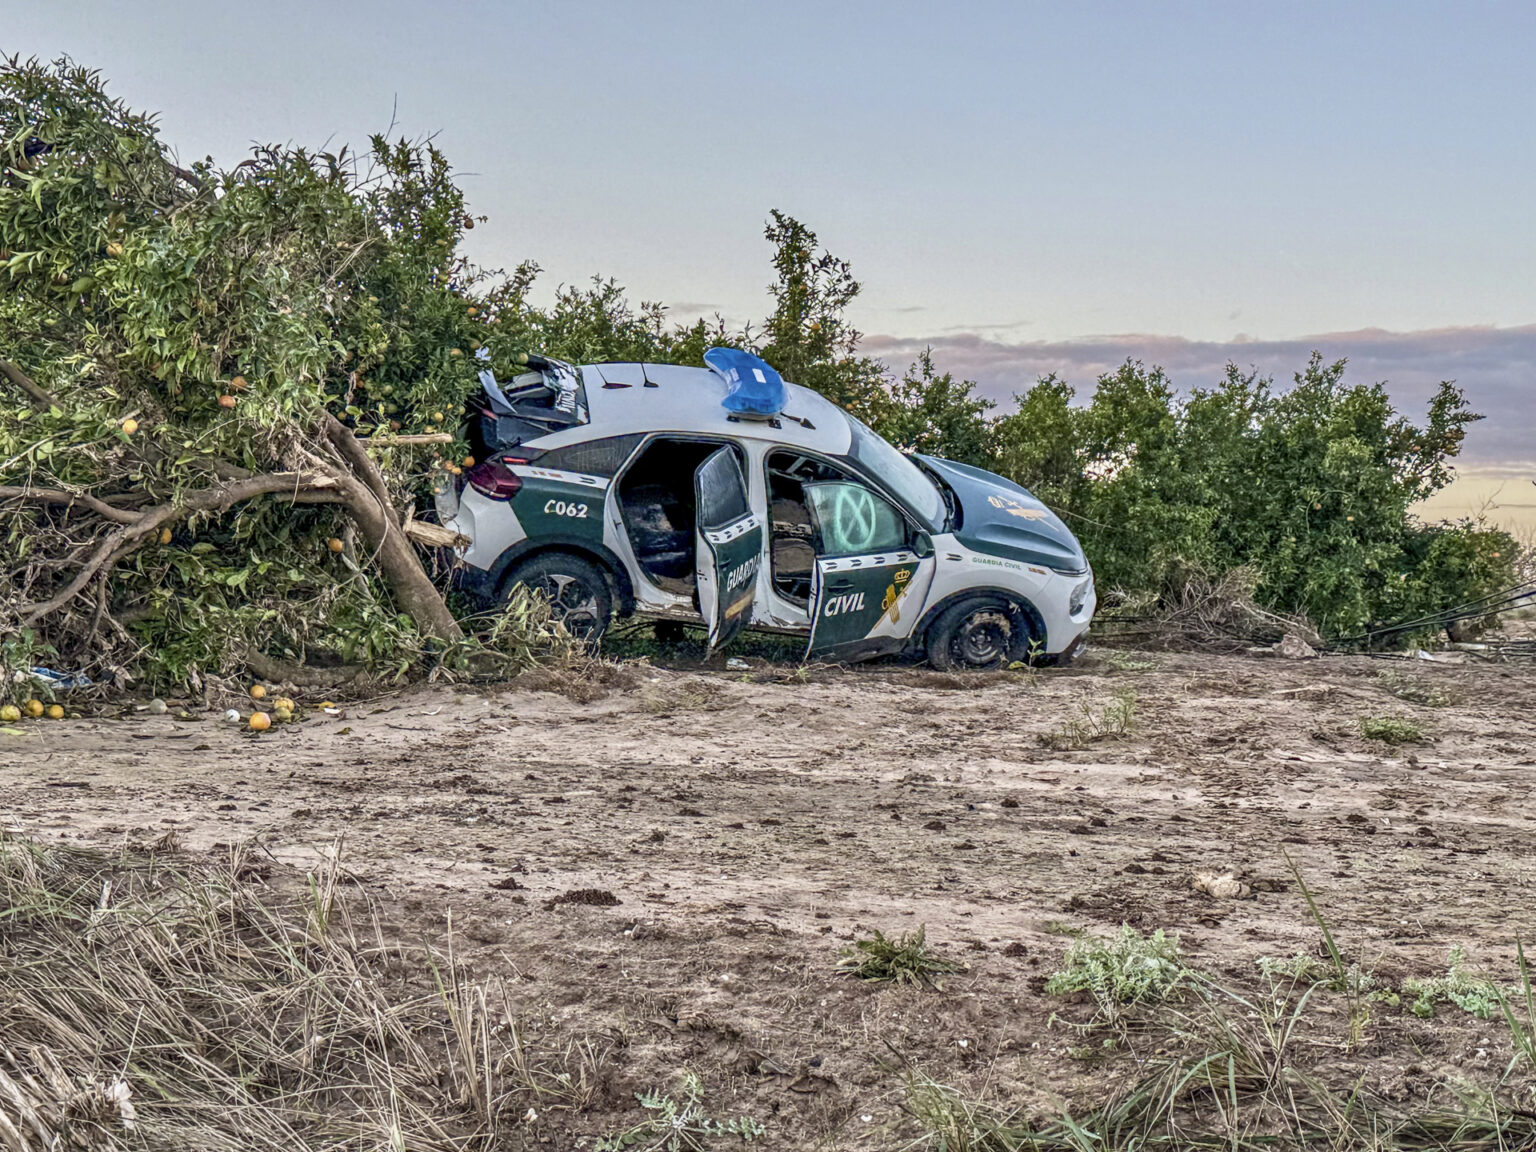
column 870, row 583
column 728, row 546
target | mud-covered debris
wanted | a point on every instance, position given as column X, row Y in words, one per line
column 1293, row 647
column 592, row 897
column 506, row 884
column 1223, row 886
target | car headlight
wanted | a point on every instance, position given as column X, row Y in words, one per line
column 1079, row 594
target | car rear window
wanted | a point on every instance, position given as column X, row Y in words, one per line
column 592, row 457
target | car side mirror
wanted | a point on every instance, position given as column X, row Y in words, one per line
column 922, row 544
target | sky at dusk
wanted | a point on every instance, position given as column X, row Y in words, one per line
column 1026, row 187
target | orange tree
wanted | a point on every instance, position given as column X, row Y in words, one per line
column 1312, row 487
column 221, row 391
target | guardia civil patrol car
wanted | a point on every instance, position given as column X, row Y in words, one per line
column 725, row 497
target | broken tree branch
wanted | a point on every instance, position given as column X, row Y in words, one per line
column 41, row 399
column 388, row 441
column 352, row 451
column 59, row 496
column 128, row 538
column 276, row 671
column 434, row 535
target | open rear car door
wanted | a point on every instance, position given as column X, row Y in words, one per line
column 729, row 546
column 870, row 581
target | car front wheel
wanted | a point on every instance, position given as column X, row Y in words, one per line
column 577, row 590
column 979, row 635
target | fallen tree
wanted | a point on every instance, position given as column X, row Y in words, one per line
column 228, row 391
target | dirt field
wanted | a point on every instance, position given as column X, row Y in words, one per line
column 750, row 826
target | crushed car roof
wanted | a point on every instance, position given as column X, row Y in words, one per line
column 628, row 398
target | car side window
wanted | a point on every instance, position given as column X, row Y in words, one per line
column 851, row 520
column 601, row 457
column 722, row 491
column 792, row 537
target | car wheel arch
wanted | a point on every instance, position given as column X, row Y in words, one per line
column 606, row 561
column 983, row 594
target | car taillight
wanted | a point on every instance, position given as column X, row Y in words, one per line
column 494, row 479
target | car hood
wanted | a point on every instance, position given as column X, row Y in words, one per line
column 999, row 517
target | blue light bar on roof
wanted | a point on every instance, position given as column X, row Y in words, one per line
column 753, row 388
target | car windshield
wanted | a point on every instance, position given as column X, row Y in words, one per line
column 904, row 478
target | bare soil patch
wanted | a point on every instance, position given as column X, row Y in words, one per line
column 667, row 868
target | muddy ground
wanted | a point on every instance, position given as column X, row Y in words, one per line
column 749, row 826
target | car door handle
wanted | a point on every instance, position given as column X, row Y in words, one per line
column 840, row 586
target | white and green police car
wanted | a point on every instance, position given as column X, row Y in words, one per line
column 725, row 497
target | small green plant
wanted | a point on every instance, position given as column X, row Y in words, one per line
column 1029, row 666
column 1416, row 691
column 1350, row 979
column 678, row 1125
column 1124, row 661
column 1117, row 717
column 1062, row 928
column 905, row 960
column 1391, row 729
column 957, row 1123
column 1338, row 975
column 1474, row 994
column 1126, row 968
column 1522, row 1028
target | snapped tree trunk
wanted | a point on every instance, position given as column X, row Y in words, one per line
column 367, row 498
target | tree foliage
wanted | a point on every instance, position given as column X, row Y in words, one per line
column 205, row 369
column 1312, row 486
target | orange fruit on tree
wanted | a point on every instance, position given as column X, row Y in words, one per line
column 226, row 401
column 239, row 384
column 469, row 461
column 165, row 535
column 129, row 426
column 334, row 544
column 260, row 721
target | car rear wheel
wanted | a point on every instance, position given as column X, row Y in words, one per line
column 978, row 635
column 578, row 592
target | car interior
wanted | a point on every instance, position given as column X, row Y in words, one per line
column 656, row 500
column 792, row 539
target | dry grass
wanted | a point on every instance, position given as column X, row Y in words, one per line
column 1200, row 611
column 153, row 1003
column 1242, row 1073
column 683, row 695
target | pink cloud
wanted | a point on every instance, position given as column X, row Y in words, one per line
column 1496, row 366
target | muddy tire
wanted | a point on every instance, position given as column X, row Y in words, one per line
column 578, row 590
column 979, row 635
